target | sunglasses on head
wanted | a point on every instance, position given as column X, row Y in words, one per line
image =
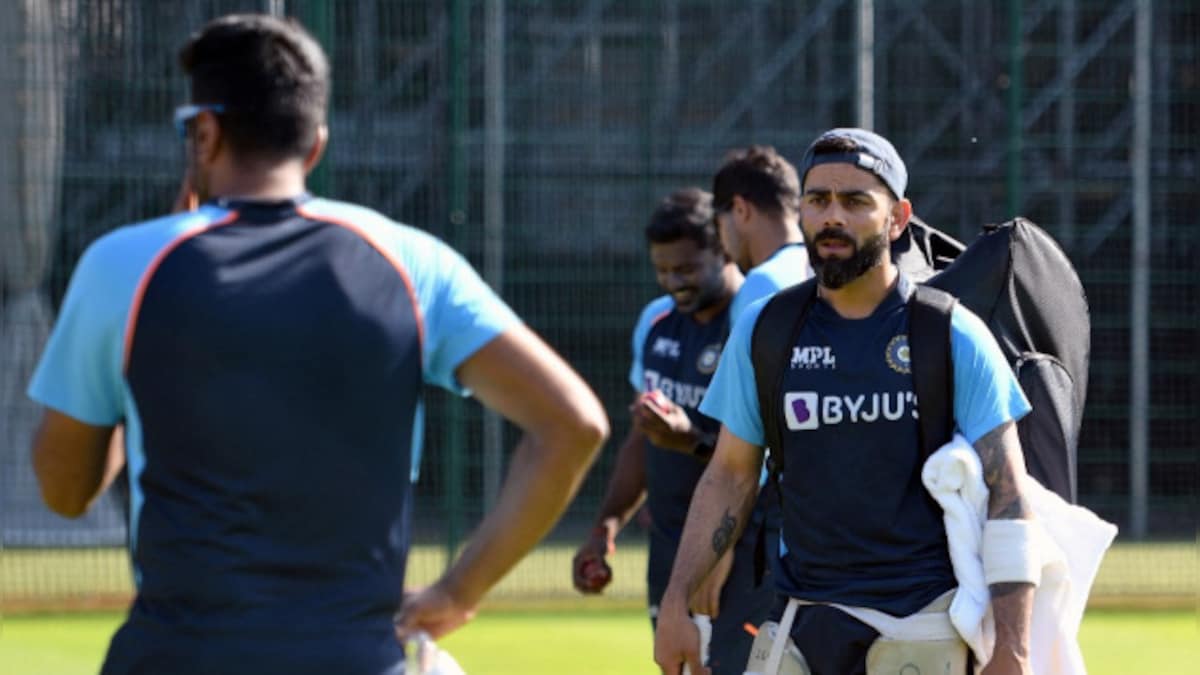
column 186, row 113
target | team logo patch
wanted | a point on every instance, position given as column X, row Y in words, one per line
column 709, row 357
column 897, row 355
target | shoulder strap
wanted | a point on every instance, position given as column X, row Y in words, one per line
column 775, row 332
column 929, row 312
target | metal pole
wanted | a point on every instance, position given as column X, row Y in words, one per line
column 493, row 216
column 1139, row 287
column 1067, row 25
column 866, row 64
column 317, row 16
column 1015, row 84
column 455, row 438
column 757, row 48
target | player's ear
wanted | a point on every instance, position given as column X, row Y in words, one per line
column 901, row 213
column 206, row 137
column 741, row 208
column 318, row 148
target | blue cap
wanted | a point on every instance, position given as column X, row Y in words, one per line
column 872, row 153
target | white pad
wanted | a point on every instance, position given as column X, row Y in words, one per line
column 426, row 658
column 1011, row 552
column 703, row 626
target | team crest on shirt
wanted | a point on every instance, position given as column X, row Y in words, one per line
column 709, row 357
column 898, row 358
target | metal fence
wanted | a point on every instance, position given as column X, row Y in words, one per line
column 536, row 137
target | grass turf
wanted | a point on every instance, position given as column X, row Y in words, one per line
column 568, row 633
column 1133, row 574
column 596, row 641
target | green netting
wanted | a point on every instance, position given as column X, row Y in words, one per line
column 536, row 137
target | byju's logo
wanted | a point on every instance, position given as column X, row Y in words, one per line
column 809, row 358
column 800, row 408
column 804, row 410
column 682, row 393
column 666, row 347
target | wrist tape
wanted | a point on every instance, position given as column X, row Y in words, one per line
column 1010, row 552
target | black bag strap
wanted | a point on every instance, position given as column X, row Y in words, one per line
column 929, row 312
column 775, row 332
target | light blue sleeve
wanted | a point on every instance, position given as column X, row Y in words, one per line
column 788, row 267
column 986, row 392
column 79, row 373
column 459, row 311
column 650, row 313
column 755, row 287
column 732, row 396
column 461, row 316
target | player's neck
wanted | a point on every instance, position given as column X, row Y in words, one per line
column 709, row 313
column 732, row 279
column 859, row 298
column 772, row 236
column 283, row 180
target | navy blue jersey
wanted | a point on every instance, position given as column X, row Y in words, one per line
column 859, row 528
column 267, row 360
column 678, row 355
column 678, row 358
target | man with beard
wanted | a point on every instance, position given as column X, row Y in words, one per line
column 863, row 546
column 676, row 345
column 756, row 196
column 266, row 353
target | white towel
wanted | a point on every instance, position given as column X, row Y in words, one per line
column 1073, row 542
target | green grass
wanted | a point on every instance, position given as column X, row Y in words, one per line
column 55, row 644
column 47, row 579
column 1159, row 642
column 572, row 634
column 1164, row 642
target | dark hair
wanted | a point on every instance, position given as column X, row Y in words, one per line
column 761, row 176
column 270, row 75
column 832, row 145
column 684, row 214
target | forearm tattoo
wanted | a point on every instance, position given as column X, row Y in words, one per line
column 723, row 535
column 1000, row 453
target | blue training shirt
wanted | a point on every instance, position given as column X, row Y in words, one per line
column 858, row 527
column 676, row 355
column 654, row 310
column 267, row 361
column 984, row 396
column 786, row 267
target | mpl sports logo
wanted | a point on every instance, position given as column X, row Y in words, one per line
column 807, row 410
column 666, row 347
column 809, row 358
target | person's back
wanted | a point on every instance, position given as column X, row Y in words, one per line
column 265, row 354
column 268, row 352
